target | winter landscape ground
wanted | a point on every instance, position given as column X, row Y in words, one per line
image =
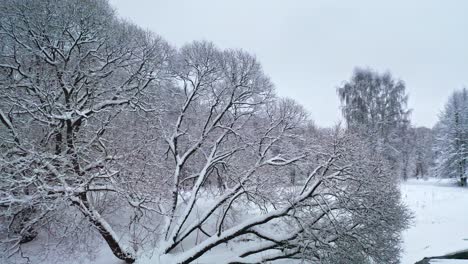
column 440, row 217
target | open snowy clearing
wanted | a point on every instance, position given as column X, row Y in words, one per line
column 440, row 219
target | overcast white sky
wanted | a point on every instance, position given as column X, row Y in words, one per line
column 308, row 47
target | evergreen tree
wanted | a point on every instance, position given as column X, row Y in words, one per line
column 451, row 143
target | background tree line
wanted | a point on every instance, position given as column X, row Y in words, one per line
column 375, row 105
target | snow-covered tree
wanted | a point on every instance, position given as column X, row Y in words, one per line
column 102, row 121
column 354, row 231
column 68, row 69
column 451, row 138
column 376, row 105
column 423, row 157
column 231, row 128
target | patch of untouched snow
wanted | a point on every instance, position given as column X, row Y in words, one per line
column 440, row 219
column 107, row 257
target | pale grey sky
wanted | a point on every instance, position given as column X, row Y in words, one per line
column 309, row 47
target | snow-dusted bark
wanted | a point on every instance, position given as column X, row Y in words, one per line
column 103, row 227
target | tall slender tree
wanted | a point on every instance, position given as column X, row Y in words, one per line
column 423, row 158
column 451, row 141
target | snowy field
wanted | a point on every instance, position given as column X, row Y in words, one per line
column 441, row 219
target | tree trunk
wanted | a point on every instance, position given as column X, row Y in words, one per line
column 463, row 181
column 104, row 229
column 21, row 226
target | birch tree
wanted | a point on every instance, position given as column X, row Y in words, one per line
column 376, row 105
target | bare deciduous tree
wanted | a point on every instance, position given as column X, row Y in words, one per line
column 191, row 145
column 69, row 68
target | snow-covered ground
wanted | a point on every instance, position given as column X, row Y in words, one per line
column 440, row 224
